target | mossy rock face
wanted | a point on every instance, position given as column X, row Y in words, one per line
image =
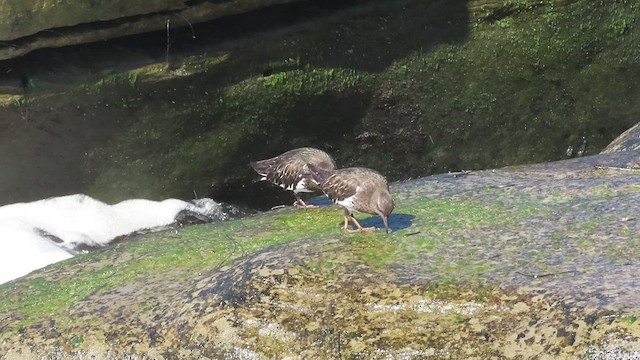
column 36, row 24
column 505, row 263
column 436, row 88
column 24, row 18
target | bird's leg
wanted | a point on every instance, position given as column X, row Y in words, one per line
column 346, row 224
column 357, row 224
column 345, row 228
column 360, row 228
column 300, row 203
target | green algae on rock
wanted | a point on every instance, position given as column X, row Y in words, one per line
column 434, row 89
column 505, row 263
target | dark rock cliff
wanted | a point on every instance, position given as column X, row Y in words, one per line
column 409, row 88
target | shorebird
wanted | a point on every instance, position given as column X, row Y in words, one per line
column 355, row 189
column 286, row 170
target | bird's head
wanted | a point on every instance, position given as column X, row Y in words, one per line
column 315, row 173
column 326, row 165
column 384, row 207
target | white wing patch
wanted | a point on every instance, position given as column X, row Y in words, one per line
column 301, row 186
column 348, row 203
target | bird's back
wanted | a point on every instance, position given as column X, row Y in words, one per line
column 344, row 183
column 286, row 169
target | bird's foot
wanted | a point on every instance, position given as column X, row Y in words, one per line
column 299, row 203
column 305, row 206
column 360, row 230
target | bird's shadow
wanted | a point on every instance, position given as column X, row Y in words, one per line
column 397, row 221
column 319, row 201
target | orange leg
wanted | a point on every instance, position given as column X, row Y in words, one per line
column 359, row 227
column 300, row 203
column 346, row 223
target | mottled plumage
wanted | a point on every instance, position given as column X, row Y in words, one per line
column 355, row 189
column 287, row 170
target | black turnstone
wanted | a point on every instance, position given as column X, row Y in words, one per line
column 287, row 170
column 355, row 189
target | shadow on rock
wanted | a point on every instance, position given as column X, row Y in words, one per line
column 396, row 221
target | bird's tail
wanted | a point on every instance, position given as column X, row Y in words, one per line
column 261, row 167
column 316, row 174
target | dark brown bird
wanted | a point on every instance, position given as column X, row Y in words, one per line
column 287, row 170
column 355, row 189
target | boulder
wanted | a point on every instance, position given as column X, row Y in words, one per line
column 627, row 141
column 503, row 263
column 440, row 87
column 29, row 25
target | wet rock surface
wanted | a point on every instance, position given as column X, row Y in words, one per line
column 521, row 262
column 370, row 82
column 46, row 24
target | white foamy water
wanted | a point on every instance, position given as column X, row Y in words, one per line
column 39, row 233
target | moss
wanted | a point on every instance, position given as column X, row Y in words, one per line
column 163, row 151
column 628, row 320
column 109, row 82
column 434, row 89
column 195, row 249
column 185, row 252
column 466, row 251
column 493, row 83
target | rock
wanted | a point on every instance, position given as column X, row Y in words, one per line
column 20, row 19
column 503, row 263
column 627, row 141
column 123, row 119
column 27, row 26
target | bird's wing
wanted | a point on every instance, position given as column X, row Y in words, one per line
column 286, row 173
column 340, row 186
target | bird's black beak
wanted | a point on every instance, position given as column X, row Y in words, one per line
column 386, row 223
